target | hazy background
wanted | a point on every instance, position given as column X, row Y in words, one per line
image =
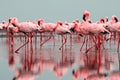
column 53, row 10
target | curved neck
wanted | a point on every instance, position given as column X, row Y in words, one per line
column 15, row 24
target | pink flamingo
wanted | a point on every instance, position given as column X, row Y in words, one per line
column 24, row 27
column 86, row 15
column 114, row 26
column 86, row 28
column 46, row 27
column 61, row 29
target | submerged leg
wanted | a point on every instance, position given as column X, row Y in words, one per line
column 83, row 43
column 16, row 51
column 63, row 43
column 46, row 40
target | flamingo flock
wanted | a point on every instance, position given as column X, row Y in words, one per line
column 102, row 27
column 98, row 33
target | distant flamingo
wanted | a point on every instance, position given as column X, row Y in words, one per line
column 25, row 27
column 85, row 28
column 61, row 29
column 46, row 27
column 86, row 16
column 114, row 26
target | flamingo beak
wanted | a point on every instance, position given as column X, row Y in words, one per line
column 84, row 17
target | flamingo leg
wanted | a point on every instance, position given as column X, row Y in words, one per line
column 83, row 43
column 40, row 37
column 46, row 40
column 96, row 44
column 63, row 43
column 53, row 39
column 99, row 53
column 70, row 41
column 86, row 42
column 16, row 51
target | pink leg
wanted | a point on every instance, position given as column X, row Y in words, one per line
column 30, row 35
column 63, row 43
column 40, row 37
column 99, row 53
column 83, row 43
column 46, row 40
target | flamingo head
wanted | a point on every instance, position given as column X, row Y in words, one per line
column 60, row 23
column 86, row 15
column 12, row 20
column 75, row 24
column 102, row 20
column 3, row 25
column 40, row 21
column 115, row 18
column 106, row 19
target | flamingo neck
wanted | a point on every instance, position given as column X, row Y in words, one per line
column 15, row 24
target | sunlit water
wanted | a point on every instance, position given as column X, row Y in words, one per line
column 48, row 62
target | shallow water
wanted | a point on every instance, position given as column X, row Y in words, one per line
column 48, row 62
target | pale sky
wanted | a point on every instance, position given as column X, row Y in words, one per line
column 53, row 10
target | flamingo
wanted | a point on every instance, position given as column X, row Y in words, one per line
column 85, row 28
column 86, row 15
column 61, row 29
column 46, row 27
column 114, row 26
column 24, row 27
column 101, row 21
